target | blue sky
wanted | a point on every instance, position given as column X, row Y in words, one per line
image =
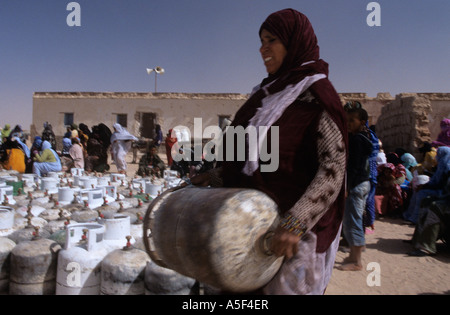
column 210, row 46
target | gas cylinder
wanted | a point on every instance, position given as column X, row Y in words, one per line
column 25, row 229
column 6, row 220
column 219, row 236
column 50, row 185
column 116, row 229
column 6, row 247
column 33, row 267
column 123, row 271
column 79, row 263
column 7, row 195
column 163, row 281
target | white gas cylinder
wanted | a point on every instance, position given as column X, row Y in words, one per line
column 50, row 185
column 6, row 220
column 79, row 263
column 7, row 195
column 116, row 229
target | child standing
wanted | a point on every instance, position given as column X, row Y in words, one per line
column 358, row 186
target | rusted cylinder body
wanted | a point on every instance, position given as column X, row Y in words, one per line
column 214, row 235
column 33, row 268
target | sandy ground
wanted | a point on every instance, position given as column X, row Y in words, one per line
column 399, row 274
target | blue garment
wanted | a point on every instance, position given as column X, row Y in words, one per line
column 24, row 147
column 435, row 187
column 43, row 168
column 369, row 217
column 352, row 224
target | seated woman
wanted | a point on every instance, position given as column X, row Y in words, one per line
column 76, row 152
column 434, row 187
column 151, row 163
column 433, row 224
column 96, row 155
column 14, row 155
column 389, row 195
column 409, row 162
column 72, row 154
column 47, row 161
column 429, row 163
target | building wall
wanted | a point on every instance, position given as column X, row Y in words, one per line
column 171, row 109
column 404, row 121
column 411, row 119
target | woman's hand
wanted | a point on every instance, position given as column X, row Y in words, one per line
column 201, row 180
column 284, row 243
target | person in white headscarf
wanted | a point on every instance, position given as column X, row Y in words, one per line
column 121, row 141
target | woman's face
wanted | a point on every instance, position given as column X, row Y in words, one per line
column 272, row 51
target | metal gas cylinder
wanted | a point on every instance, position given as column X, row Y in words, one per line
column 163, row 281
column 6, row 247
column 7, row 195
column 218, row 236
column 33, row 267
column 116, row 229
column 79, row 263
column 50, row 185
column 25, row 229
column 6, row 220
column 87, row 182
column 123, row 271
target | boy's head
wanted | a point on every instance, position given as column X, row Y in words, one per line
column 357, row 119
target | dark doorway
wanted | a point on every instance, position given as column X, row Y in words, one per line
column 148, row 122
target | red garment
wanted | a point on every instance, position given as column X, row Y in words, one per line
column 170, row 142
column 297, row 126
column 392, row 193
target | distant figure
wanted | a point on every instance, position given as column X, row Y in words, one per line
column 49, row 135
column 151, row 163
column 121, row 142
column 158, row 137
column 444, row 137
column 6, row 131
column 171, row 144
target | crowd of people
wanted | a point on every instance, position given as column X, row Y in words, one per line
column 87, row 149
column 395, row 185
column 81, row 148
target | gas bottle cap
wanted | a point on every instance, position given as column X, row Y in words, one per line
column 36, row 235
column 128, row 246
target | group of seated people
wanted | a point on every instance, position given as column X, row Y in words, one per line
column 81, row 148
column 418, row 193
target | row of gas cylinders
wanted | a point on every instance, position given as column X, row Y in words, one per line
column 86, row 265
column 76, row 244
column 94, row 190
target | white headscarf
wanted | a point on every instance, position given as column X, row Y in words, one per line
column 121, row 134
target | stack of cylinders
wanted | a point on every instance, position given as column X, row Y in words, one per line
column 33, row 267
